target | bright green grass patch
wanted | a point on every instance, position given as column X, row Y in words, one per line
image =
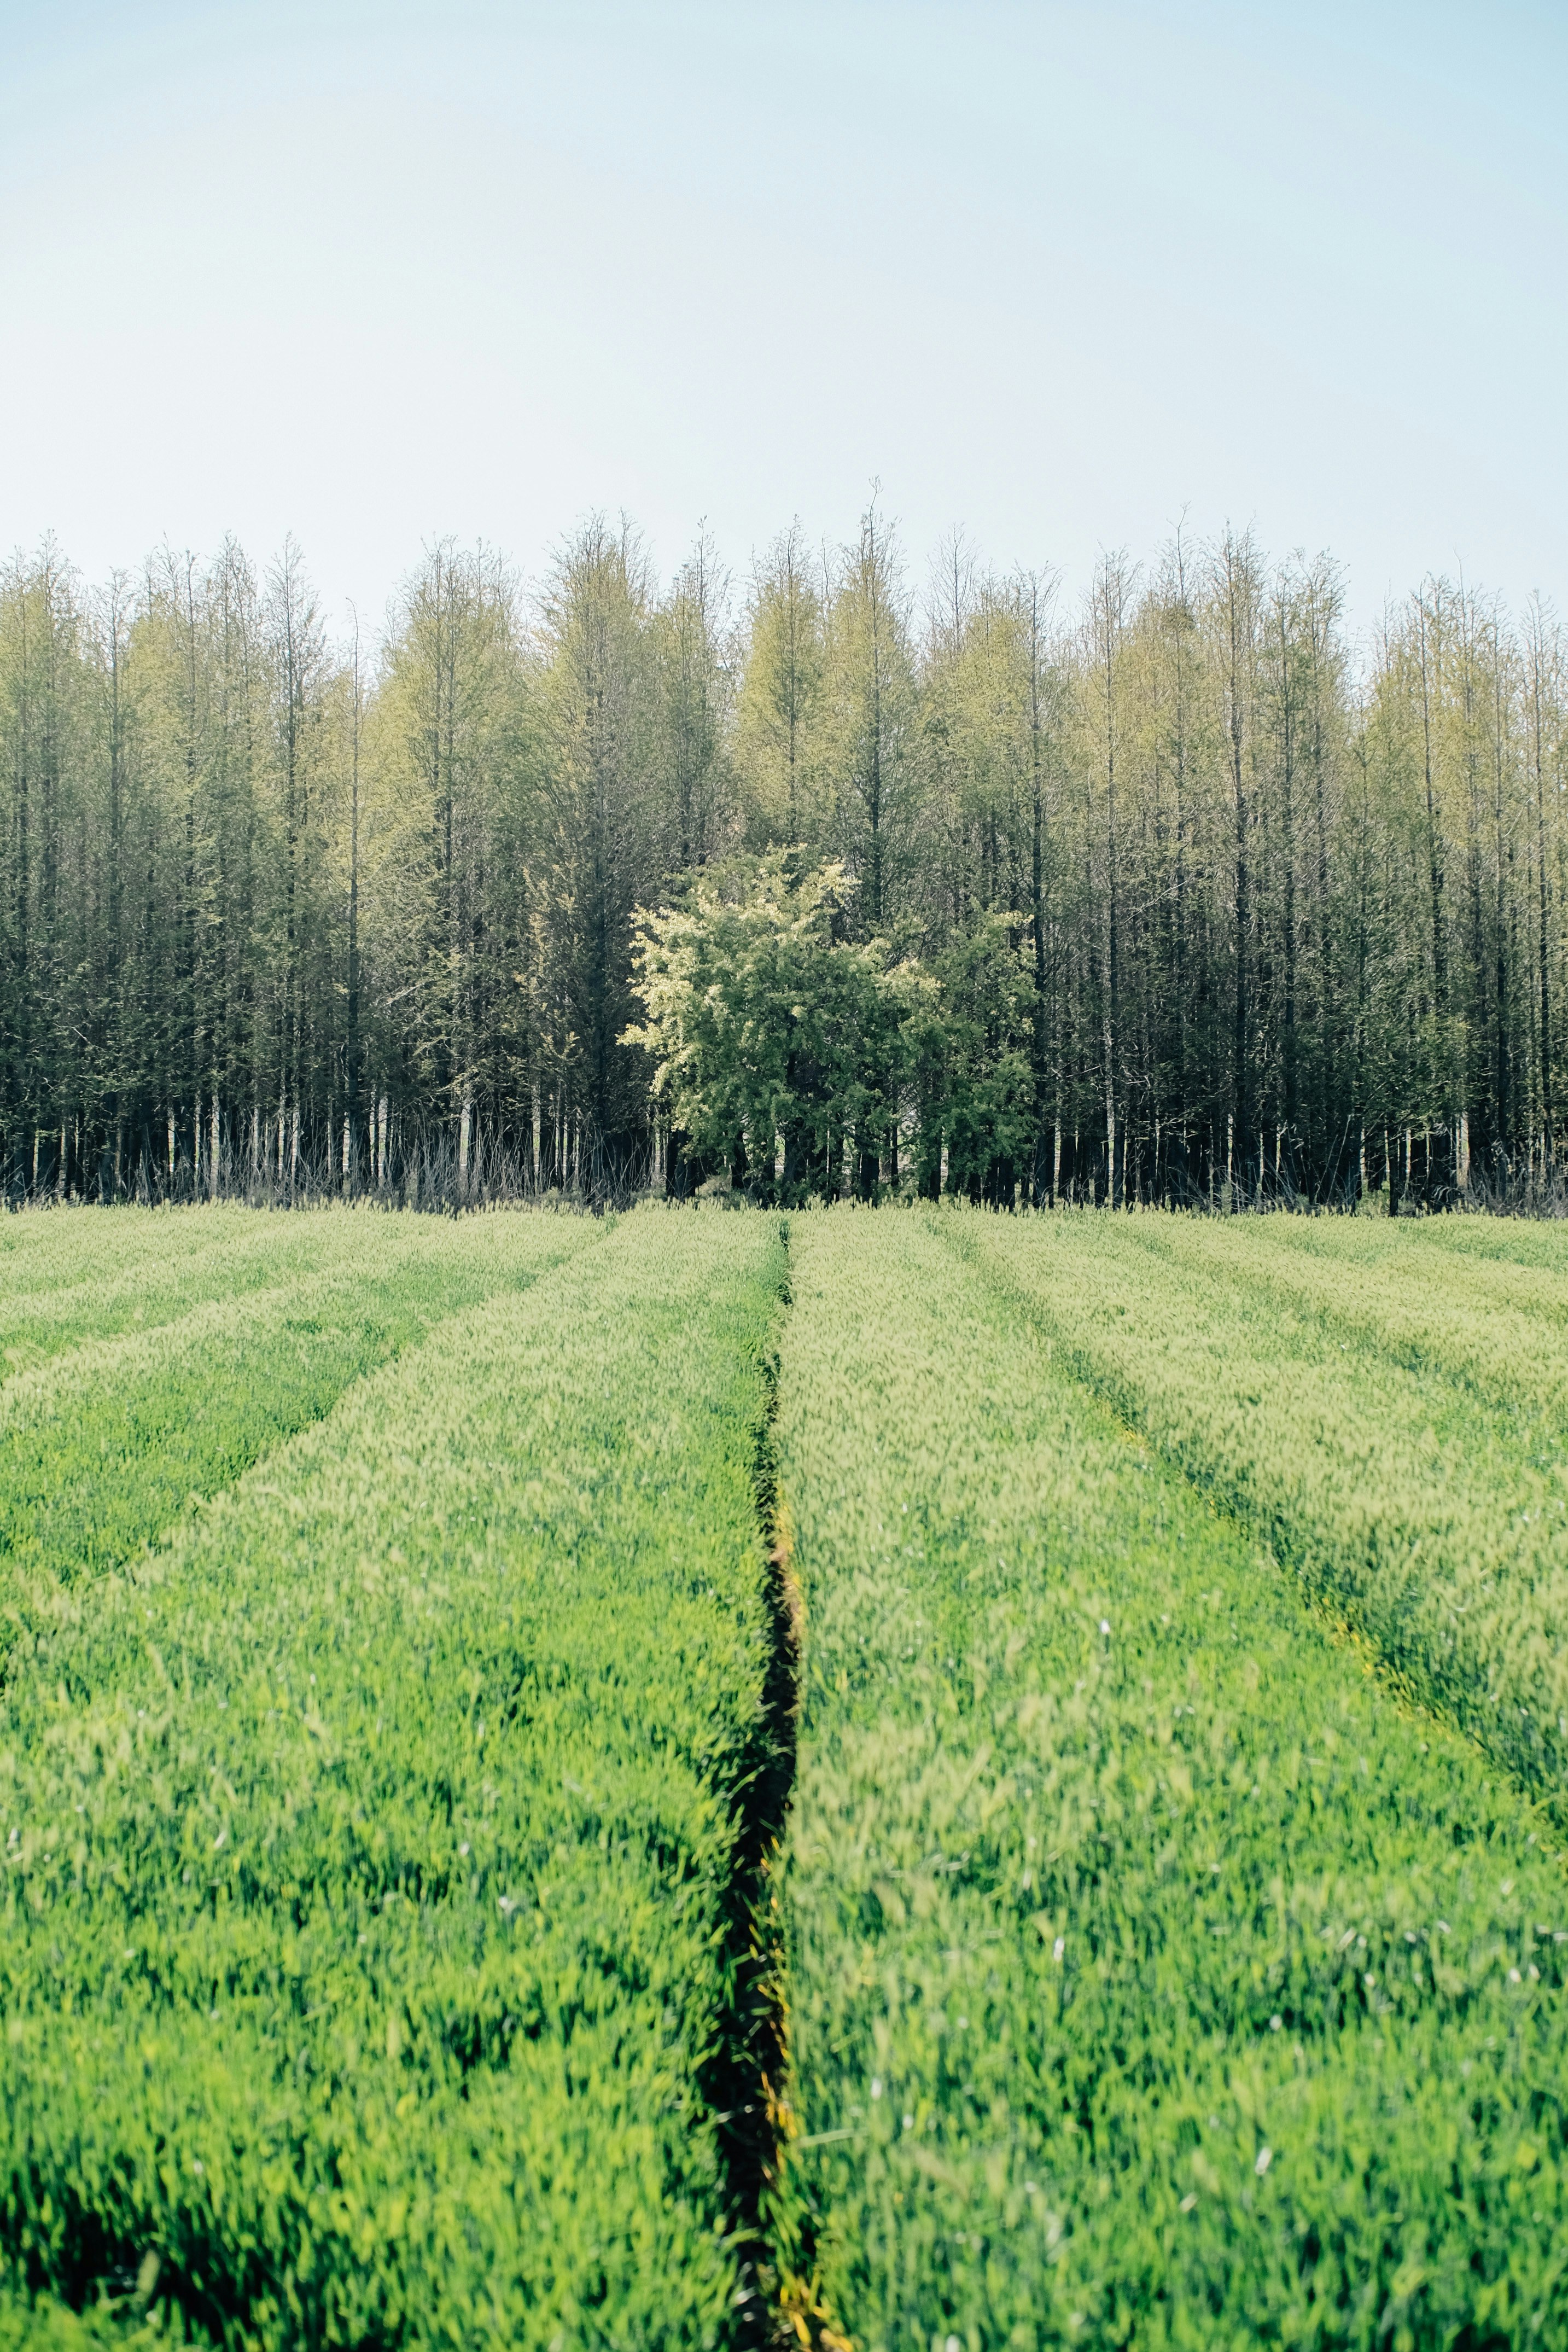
column 1433, row 1519
column 1498, row 1331
column 41, row 1249
column 1523, row 1241
column 167, row 1267
column 1154, row 1978
column 42, row 2324
column 107, row 1447
column 371, row 1849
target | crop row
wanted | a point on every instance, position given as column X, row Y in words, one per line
column 369, row 1848
column 1431, row 1518
column 1505, row 1240
column 132, row 1273
column 1497, row 1332
column 1156, row 1977
column 108, row 1446
column 61, row 1254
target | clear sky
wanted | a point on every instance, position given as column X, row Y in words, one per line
column 375, row 270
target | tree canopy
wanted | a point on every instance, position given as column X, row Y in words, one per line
column 813, row 880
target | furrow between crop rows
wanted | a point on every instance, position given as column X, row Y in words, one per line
column 746, row 2081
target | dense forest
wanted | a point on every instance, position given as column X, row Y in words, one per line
column 810, row 881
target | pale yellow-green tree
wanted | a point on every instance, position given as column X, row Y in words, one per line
column 780, row 750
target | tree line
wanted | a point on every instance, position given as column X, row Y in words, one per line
column 808, row 881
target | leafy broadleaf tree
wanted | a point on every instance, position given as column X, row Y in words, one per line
column 770, row 1037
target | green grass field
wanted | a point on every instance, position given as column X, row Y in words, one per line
column 911, row 1778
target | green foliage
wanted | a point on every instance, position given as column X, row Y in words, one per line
column 967, row 1042
column 103, row 1449
column 43, row 1255
column 1395, row 1435
column 763, row 1023
column 393, row 1702
column 1155, row 1976
column 370, row 1846
column 39, row 2323
column 344, row 915
column 768, row 1029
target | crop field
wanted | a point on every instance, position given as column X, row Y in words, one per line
column 913, row 1779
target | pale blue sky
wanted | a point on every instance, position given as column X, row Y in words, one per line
column 375, row 272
